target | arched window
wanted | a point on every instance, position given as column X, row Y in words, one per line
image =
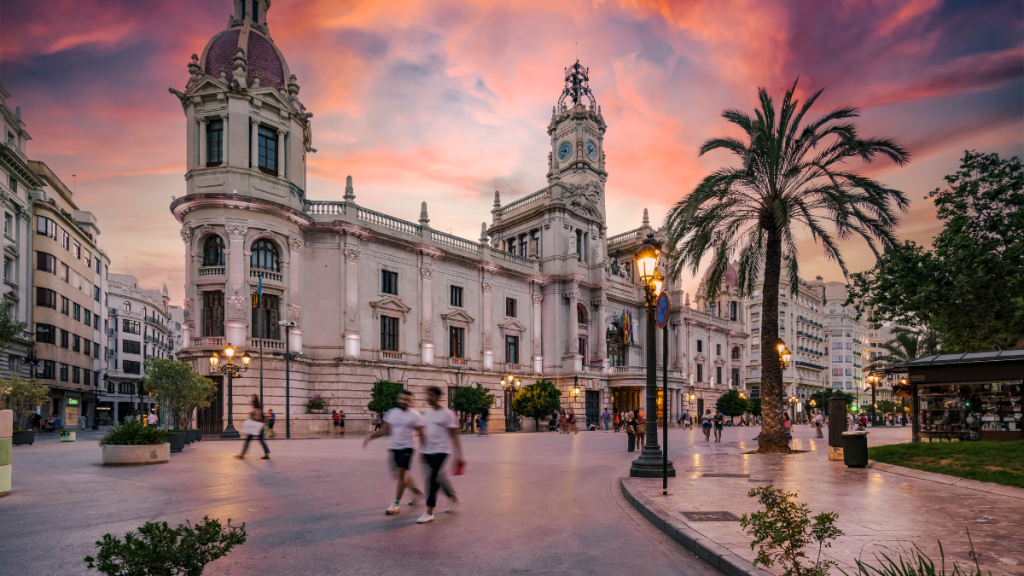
column 581, row 313
column 127, row 306
column 213, row 251
column 264, row 256
column 736, row 353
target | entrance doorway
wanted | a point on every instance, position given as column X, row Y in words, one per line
column 700, row 408
column 593, row 407
column 211, row 420
column 626, row 398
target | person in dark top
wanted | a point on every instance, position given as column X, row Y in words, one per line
column 483, row 421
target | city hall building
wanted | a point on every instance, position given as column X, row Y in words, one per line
column 540, row 294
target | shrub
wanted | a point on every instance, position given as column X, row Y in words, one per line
column 316, row 402
column 537, row 400
column 383, row 396
column 919, row 565
column 132, row 433
column 164, row 551
column 784, row 528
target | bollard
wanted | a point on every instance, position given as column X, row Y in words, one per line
column 6, row 439
column 836, row 427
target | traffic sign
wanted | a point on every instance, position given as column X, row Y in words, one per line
column 661, row 311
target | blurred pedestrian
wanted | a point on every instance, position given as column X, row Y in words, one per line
column 439, row 432
column 640, row 425
column 271, row 419
column 335, row 418
column 341, row 422
column 482, row 431
column 630, row 428
column 705, row 424
column 254, row 427
column 605, row 417
column 401, row 423
column 718, row 423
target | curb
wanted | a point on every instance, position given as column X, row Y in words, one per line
column 716, row 555
column 988, row 487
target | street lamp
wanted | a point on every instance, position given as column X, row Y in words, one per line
column 232, row 370
column 792, row 410
column 287, row 377
column 784, row 354
column 873, row 380
column 510, row 384
column 651, row 463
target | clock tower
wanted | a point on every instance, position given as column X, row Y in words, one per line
column 577, row 141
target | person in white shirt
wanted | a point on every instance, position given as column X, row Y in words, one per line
column 440, row 431
column 818, row 420
column 401, row 423
column 152, row 420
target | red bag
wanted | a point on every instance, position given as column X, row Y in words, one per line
column 460, row 468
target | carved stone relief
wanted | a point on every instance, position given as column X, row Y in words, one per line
column 236, row 305
column 186, row 234
column 352, row 254
column 295, row 314
column 295, row 244
column 236, row 232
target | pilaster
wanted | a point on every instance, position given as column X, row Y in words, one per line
column 352, row 337
column 426, row 312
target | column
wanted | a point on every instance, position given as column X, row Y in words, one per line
column 538, row 357
column 596, row 330
column 225, row 139
column 486, row 328
column 254, row 144
column 202, row 142
column 236, row 300
column 572, row 341
column 281, row 155
column 426, row 313
column 352, row 338
column 295, row 245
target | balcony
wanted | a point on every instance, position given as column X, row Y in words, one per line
column 208, row 342
column 593, row 369
column 266, row 275
column 211, row 271
column 514, row 368
column 268, row 344
column 391, row 356
column 464, row 362
column 581, row 328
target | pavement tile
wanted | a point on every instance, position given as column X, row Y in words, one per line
column 880, row 511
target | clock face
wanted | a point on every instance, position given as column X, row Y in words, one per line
column 564, row 151
column 592, row 151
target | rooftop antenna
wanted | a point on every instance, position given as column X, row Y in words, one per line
column 74, row 185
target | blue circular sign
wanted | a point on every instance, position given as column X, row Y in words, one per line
column 661, row 311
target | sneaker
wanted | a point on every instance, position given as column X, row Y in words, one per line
column 240, row 456
column 425, row 518
column 393, row 509
column 265, row 457
column 415, row 498
column 453, row 504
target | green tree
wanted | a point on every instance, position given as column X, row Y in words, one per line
column 976, row 264
column 10, row 328
column 537, row 400
column 731, row 404
column 179, row 387
column 471, row 399
column 754, row 406
column 21, row 397
column 906, row 345
column 384, row 396
column 791, row 175
column 821, row 398
column 785, row 529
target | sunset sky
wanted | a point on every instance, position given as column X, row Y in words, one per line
column 448, row 101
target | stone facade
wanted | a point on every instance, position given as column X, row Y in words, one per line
column 538, row 295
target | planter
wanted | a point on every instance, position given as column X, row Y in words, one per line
column 317, row 410
column 177, row 441
column 67, row 437
column 136, row 455
column 24, row 437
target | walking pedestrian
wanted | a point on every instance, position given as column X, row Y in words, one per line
column 705, row 424
column 401, row 423
column 375, row 422
column 440, row 428
column 605, row 417
column 818, row 419
column 483, row 421
column 630, row 432
column 618, row 421
column 254, row 427
column 271, row 419
column 718, row 422
column 572, row 423
column 152, row 419
column 341, row 421
column 640, row 425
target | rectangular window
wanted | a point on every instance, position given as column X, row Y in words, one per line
column 65, row 240
column 389, row 282
column 213, row 314
column 46, row 297
column 63, row 372
column 88, row 318
column 837, row 345
column 267, row 140
column 512, row 349
column 131, row 367
column 837, row 371
column 87, row 258
column 87, row 349
column 700, row 372
column 76, row 343
column 130, row 327
column 389, row 333
column 95, row 349
column 718, row 349
column 718, row 375
column 456, row 342
column 46, row 262
column 755, row 326
column 65, row 337
column 76, row 375
column 510, row 307
column 700, row 345
column 456, row 296
column 76, row 311
column 46, row 370
column 131, row 347
column 76, row 250
column 88, row 377
column 732, row 311
column 215, row 143
column 76, row 280
column 46, row 334
column 96, row 293
column 46, row 227
column 63, row 271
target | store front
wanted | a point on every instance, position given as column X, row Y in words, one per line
column 72, row 410
column 966, row 397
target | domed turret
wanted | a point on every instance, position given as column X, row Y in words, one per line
column 247, row 30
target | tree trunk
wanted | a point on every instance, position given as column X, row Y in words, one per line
column 772, row 439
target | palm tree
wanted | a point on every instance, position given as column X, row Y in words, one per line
column 906, row 344
column 790, row 174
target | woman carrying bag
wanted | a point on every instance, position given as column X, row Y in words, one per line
column 254, row 427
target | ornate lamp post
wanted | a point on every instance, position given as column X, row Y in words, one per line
column 873, row 380
column 232, row 370
column 510, row 384
column 651, row 463
column 792, row 410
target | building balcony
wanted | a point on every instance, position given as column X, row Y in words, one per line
column 462, row 362
column 391, row 356
column 208, row 342
column 268, row 344
column 514, row 368
column 211, row 271
column 266, row 275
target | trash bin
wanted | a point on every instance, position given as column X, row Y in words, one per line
column 855, row 449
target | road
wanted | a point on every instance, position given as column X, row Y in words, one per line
column 535, row 503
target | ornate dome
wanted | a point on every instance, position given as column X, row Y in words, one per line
column 262, row 56
column 730, row 276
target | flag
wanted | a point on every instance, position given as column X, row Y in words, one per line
column 257, row 294
column 259, row 289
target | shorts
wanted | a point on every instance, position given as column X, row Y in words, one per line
column 403, row 457
column 341, row 424
column 336, row 424
column 270, row 424
column 718, row 427
column 706, row 425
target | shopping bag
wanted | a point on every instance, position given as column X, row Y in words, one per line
column 252, row 427
column 460, row 468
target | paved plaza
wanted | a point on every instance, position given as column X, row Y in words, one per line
column 534, row 503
